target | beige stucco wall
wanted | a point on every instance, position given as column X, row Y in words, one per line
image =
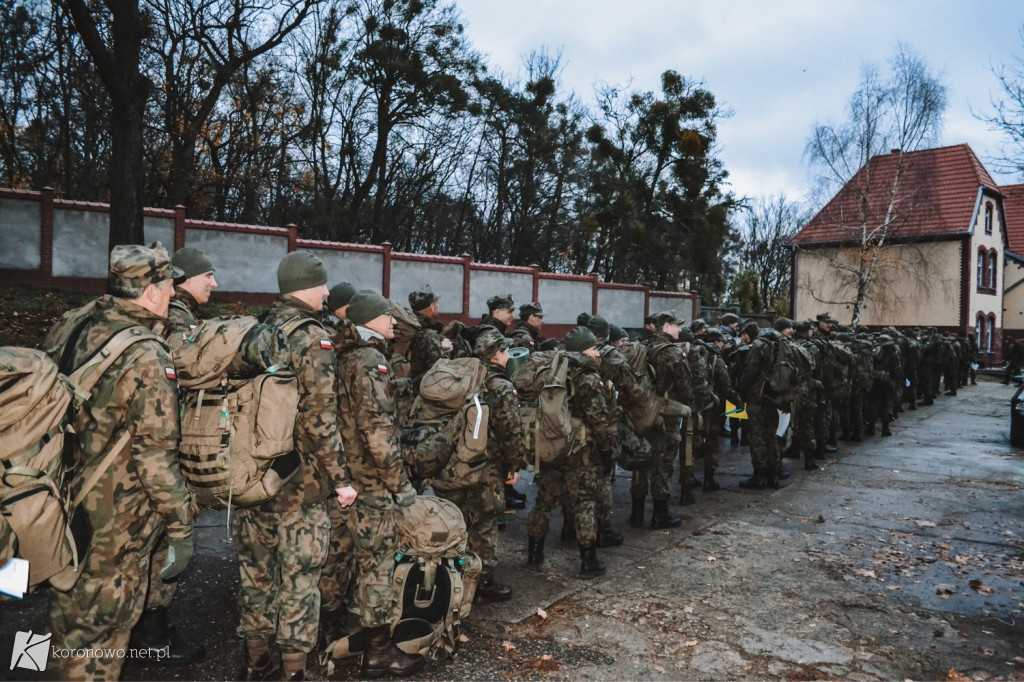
column 986, row 302
column 914, row 285
column 1013, row 299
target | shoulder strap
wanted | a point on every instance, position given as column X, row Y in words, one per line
column 559, row 369
column 290, row 326
column 89, row 372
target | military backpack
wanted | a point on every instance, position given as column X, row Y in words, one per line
column 791, row 366
column 550, row 432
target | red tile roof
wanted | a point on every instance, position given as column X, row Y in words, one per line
column 937, row 195
column 1013, row 210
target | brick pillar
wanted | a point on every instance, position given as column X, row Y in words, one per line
column 293, row 236
column 46, row 235
column 594, row 279
column 535, row 289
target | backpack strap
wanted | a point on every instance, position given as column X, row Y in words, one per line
column 293, row 324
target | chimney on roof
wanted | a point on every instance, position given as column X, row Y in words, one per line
column 896, row 150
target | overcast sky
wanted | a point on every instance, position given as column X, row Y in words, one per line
column 780, row 65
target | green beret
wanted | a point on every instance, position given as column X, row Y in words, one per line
column 366, row 306
column 300, row 270
column 500, row 303
column 134, row 266
column 599, row 326
column 340, row 296
column 579, row 339
column 420, row 300
column 192, row 262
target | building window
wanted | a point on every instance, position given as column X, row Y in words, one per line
column 982, row 262
column 988, row 218
column 979, row 330
column 993, row 270
column 990, row 333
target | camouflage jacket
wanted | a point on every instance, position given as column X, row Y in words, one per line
column 721, row 381
column 671, row 371
column 487, row 321
column 505, row 444
column 368, row 414
column 616, row 369
column 142, row 493
column 183, row 312
column 317, row 438
column 425, row 348
column 759, row 364
column 525, row 336
column 589, row 404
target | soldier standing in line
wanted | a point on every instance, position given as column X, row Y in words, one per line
column 728, row 325
column 972, row 359
column 714, row 418
column 283, row 543
column 428, row 345
column 366, row 404
column 526, row 333
column 926, row 370
column 808, row 399
column 192, row 290
column 954, row 361
column 702, row 399
column 141, row 496
column 579, row 470
column 736, row 358
column 761, row 407
column 482, row 504
column 337, row 306
column 910, row 353
column 860, row 389
column 1014, row 360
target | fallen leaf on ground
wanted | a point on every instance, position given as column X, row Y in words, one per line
column 864, row 573
column 924, row 524
column 659, row 669
column 945, row 591
column 463, row 638
column 545, row 664
column 509, row 646
column 981, row 588
column 687, row 609
column 711, row 558
column 691, row 642
column 542, row 613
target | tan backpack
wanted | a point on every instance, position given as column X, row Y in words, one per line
column 39, row 458
column 452, row 423
column 435, row 579
column 549, row 429
column 237, row 430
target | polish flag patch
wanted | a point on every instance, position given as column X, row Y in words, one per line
column 382, row 368
column 515, row 392
column 170, row 373
column 326, row 344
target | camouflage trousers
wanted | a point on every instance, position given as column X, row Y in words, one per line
column 951, row 375
column 578, row 475
column 371, row 519
column 482, row 506
column 856, row 412
column 280, row 556
column 605, row 505
column 926, row 381
column 764, row 444
column 840, row 415
column 98, row 613
column 337, row 574
column 810, row 420
column 160, row 592
column 714, row 422
column 655, row 480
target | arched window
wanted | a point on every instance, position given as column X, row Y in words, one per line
column 993, row 269
column 982, row 263
column 988, row 218
column 990, row 333
column 979, row 330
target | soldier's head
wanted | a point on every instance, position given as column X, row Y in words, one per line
column 699, row 328
column 371, row 310
column 825, row 321
column 749, row 331
column 197, row 273
column 600, row 327
column 532, row 314
column 617, row 335
column 492, row 346
column 730, row 320
column 424, row 302
column 784, row 326
column 582, row 340
column 716, row 337
column 338, row 299
column 668, row 323
column 649, row 323
column 803, row 329
column 502, row 308
column 143, row 275
column 303, row 277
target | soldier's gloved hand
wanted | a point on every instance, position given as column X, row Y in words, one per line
column 179, row 553
column 406, row 495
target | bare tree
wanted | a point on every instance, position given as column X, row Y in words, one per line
column 764, row 263
column 893, row 113
column 1008, row 116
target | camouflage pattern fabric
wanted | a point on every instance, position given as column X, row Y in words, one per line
column 339, row 570
column 425, row 348
column 714, row 420
column 655, row 480
column 371, row 519
column 141, row 496
column 672, row 379
column 764, row 416
column 281, row 554
column 525, row 336
column 182, row 313
column 482, row 506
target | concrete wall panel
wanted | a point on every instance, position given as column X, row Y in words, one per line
column 622, row 307
column 360, row 269
column 564, row 300
column 244, row 262
column 445, row 279
column 80, row 241
column 487, row 283
column 19, row 237
column 682, row 306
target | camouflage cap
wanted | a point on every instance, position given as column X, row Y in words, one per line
column 666, row 317
column 579, row 339
column 751, row 329
column 133, row 266
column 419, row 300
column 847, row 337
column 501, row 302
column 340, row 296
column 490, row 342
column 192, row 262
column 802, row 327
column 533, row 308
column 697, row 325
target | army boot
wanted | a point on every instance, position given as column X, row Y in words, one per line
column 513, row 498
column 772, row 479
column 490, row 590
column 709, row 484
column 885, row 429
column 293, row 665
column 660, row 519
column 259, row 665
column 153, row 632
column 606, row 537
column 590, row 565
column 535, row 551
column 382, row 657
column 759, row 481
column 809, row 463
column 333, row 624
column 636, row 514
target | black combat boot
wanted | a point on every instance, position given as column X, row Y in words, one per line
column 606, row 537
column 259, row 665
column 781, row 472
column 382, row 657
column 513, row 498
column 590, row 565
column 772, row 476
column 636, row 515
column 885, row 429
column 153, row 632
column 660, row 520
column 759, row 481
column 535, row 551
column 490, row 590
column 333, row 623
column 809, row 463
column 709, row 484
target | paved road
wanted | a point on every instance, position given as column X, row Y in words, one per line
column 902, row 558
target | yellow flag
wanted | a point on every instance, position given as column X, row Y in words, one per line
column 730, row 411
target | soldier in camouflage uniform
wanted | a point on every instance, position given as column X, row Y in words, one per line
column 808, row 403
column 141, row 496
column 579, row 471
column 972, row 359
column 427, row 345
column 283, row 543
column 1014, row 360
column 482, row 504
column 910, row 354
column 926, row 370
column 526, row 333
column 192, row 290
column 672, row 380
column 954, row 362
column 714, row 418
column 860, row 388
column 366, row 401
column 702, row 399
column 337, row 306
column 761, row 407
